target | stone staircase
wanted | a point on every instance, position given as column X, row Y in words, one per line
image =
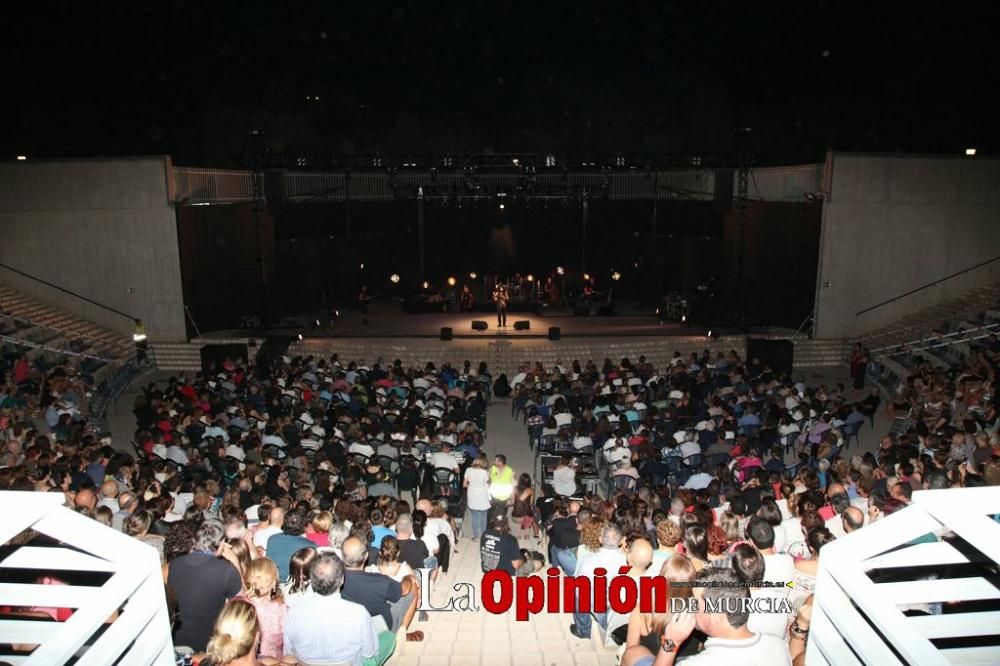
column 50, row 336
column 177, row 356
column 820, row 353
column 943, row 335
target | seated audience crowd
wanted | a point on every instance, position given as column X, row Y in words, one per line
column 299, row 505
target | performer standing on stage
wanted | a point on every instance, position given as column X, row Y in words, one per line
column 363, row 300
column 501, row 297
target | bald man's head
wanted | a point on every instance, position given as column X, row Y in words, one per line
column 86, row 497
column 835, row 489
column 640, row 554
column 109, row 489
column 127, row 501
column 574, row 508
column 277, row 517
column 425, row 506
column 355, row 552
column 852, row 519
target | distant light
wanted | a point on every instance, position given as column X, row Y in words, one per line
column 709, row 333
column 21, row 158
column 336, row 313
column 550, row 160
column 531, row 278
column 586, row 276
column 684, row 318
column 300, row 336
column 472, row 275
column 426, row 284
column 362, row 265
column 452, row 281
column 501, row 206
column 616, row 276
column 205, row 203
column 516, row 161
column 394, row 278
column 560, row 270
column 968, row 151
column 317, row 322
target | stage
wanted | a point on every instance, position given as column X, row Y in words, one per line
column 387, row 320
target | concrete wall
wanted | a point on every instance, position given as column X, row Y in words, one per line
column 892, row 224
column 104, row 229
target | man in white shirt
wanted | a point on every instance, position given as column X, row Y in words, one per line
column 699, row 480
column 363, row 448
column 444, row 458
column 730, row 641
column 778, row 567
column 564, row 478
column 275, row 520
column 690, row 447
column 610, row 558
column 582, row 442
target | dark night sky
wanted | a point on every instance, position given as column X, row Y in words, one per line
column 590, row 78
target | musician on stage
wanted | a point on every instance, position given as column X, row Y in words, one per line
column 363, row 300
column 466, row 300
column 501, row 297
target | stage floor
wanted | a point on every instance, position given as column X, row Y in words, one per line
column 389, row 321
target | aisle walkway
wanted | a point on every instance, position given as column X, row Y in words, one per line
column 481, row 638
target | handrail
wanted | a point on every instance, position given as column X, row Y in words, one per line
column 926, row 286
column 67, row 291
column 933, row 338
column 68, row 333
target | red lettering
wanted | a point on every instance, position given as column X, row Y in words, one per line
column 623, row 584
column 530, row 597
column 653, row 594
column 600, row 590
column 490, row 602
column 576, row 594
column 552, row 587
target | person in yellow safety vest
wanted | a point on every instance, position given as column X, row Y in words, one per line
column 139, row 338
column 501, row 483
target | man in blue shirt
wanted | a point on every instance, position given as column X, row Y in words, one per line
column 281, row 546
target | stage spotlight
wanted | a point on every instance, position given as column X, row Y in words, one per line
column 21, row 158
column 472, row 275
column 709, row 334
column 684, row 319
column 531, row 278
column 362, row 266
column 394, row 278
column 560, row 270
column 317, row 323
column 616, row 276
column 426, row 284
column 501, row 206
column 586, row 276
column 300, row 336
column 516, row 162
column 452, row 281
column 969, row 152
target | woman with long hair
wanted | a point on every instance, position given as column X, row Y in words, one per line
column 523, row 505
column 261, row 589
column 644, row 629
column 235, row 637
column 299, row 569
column 388, row 561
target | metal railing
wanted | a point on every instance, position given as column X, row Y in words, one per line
column 927, row 286
column 67, row 333
column 207, row 186
column 67, row 291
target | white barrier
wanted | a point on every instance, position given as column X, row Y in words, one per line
column 139, row 632
column 858, row 621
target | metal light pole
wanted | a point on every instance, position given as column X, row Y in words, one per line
column 420, row 230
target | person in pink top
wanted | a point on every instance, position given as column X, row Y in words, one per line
column 261, row 590
column 318, row 529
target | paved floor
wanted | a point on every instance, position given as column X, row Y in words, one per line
column 480, row 638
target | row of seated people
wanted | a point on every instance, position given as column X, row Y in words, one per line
column 241, row 475
column 750, row 518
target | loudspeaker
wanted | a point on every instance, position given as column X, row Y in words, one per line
column 581, row 310
column 479, row 325
column 554, row 332
column 779, row 354
column 522, row 325
column 446, row 332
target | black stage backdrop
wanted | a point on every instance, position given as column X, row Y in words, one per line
column 314, row 251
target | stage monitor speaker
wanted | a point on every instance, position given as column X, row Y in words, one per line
column 446, row 332
column 522, row 325
column 778, row 354
column 554, row 333
column 581, row 310
column 479, row 325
